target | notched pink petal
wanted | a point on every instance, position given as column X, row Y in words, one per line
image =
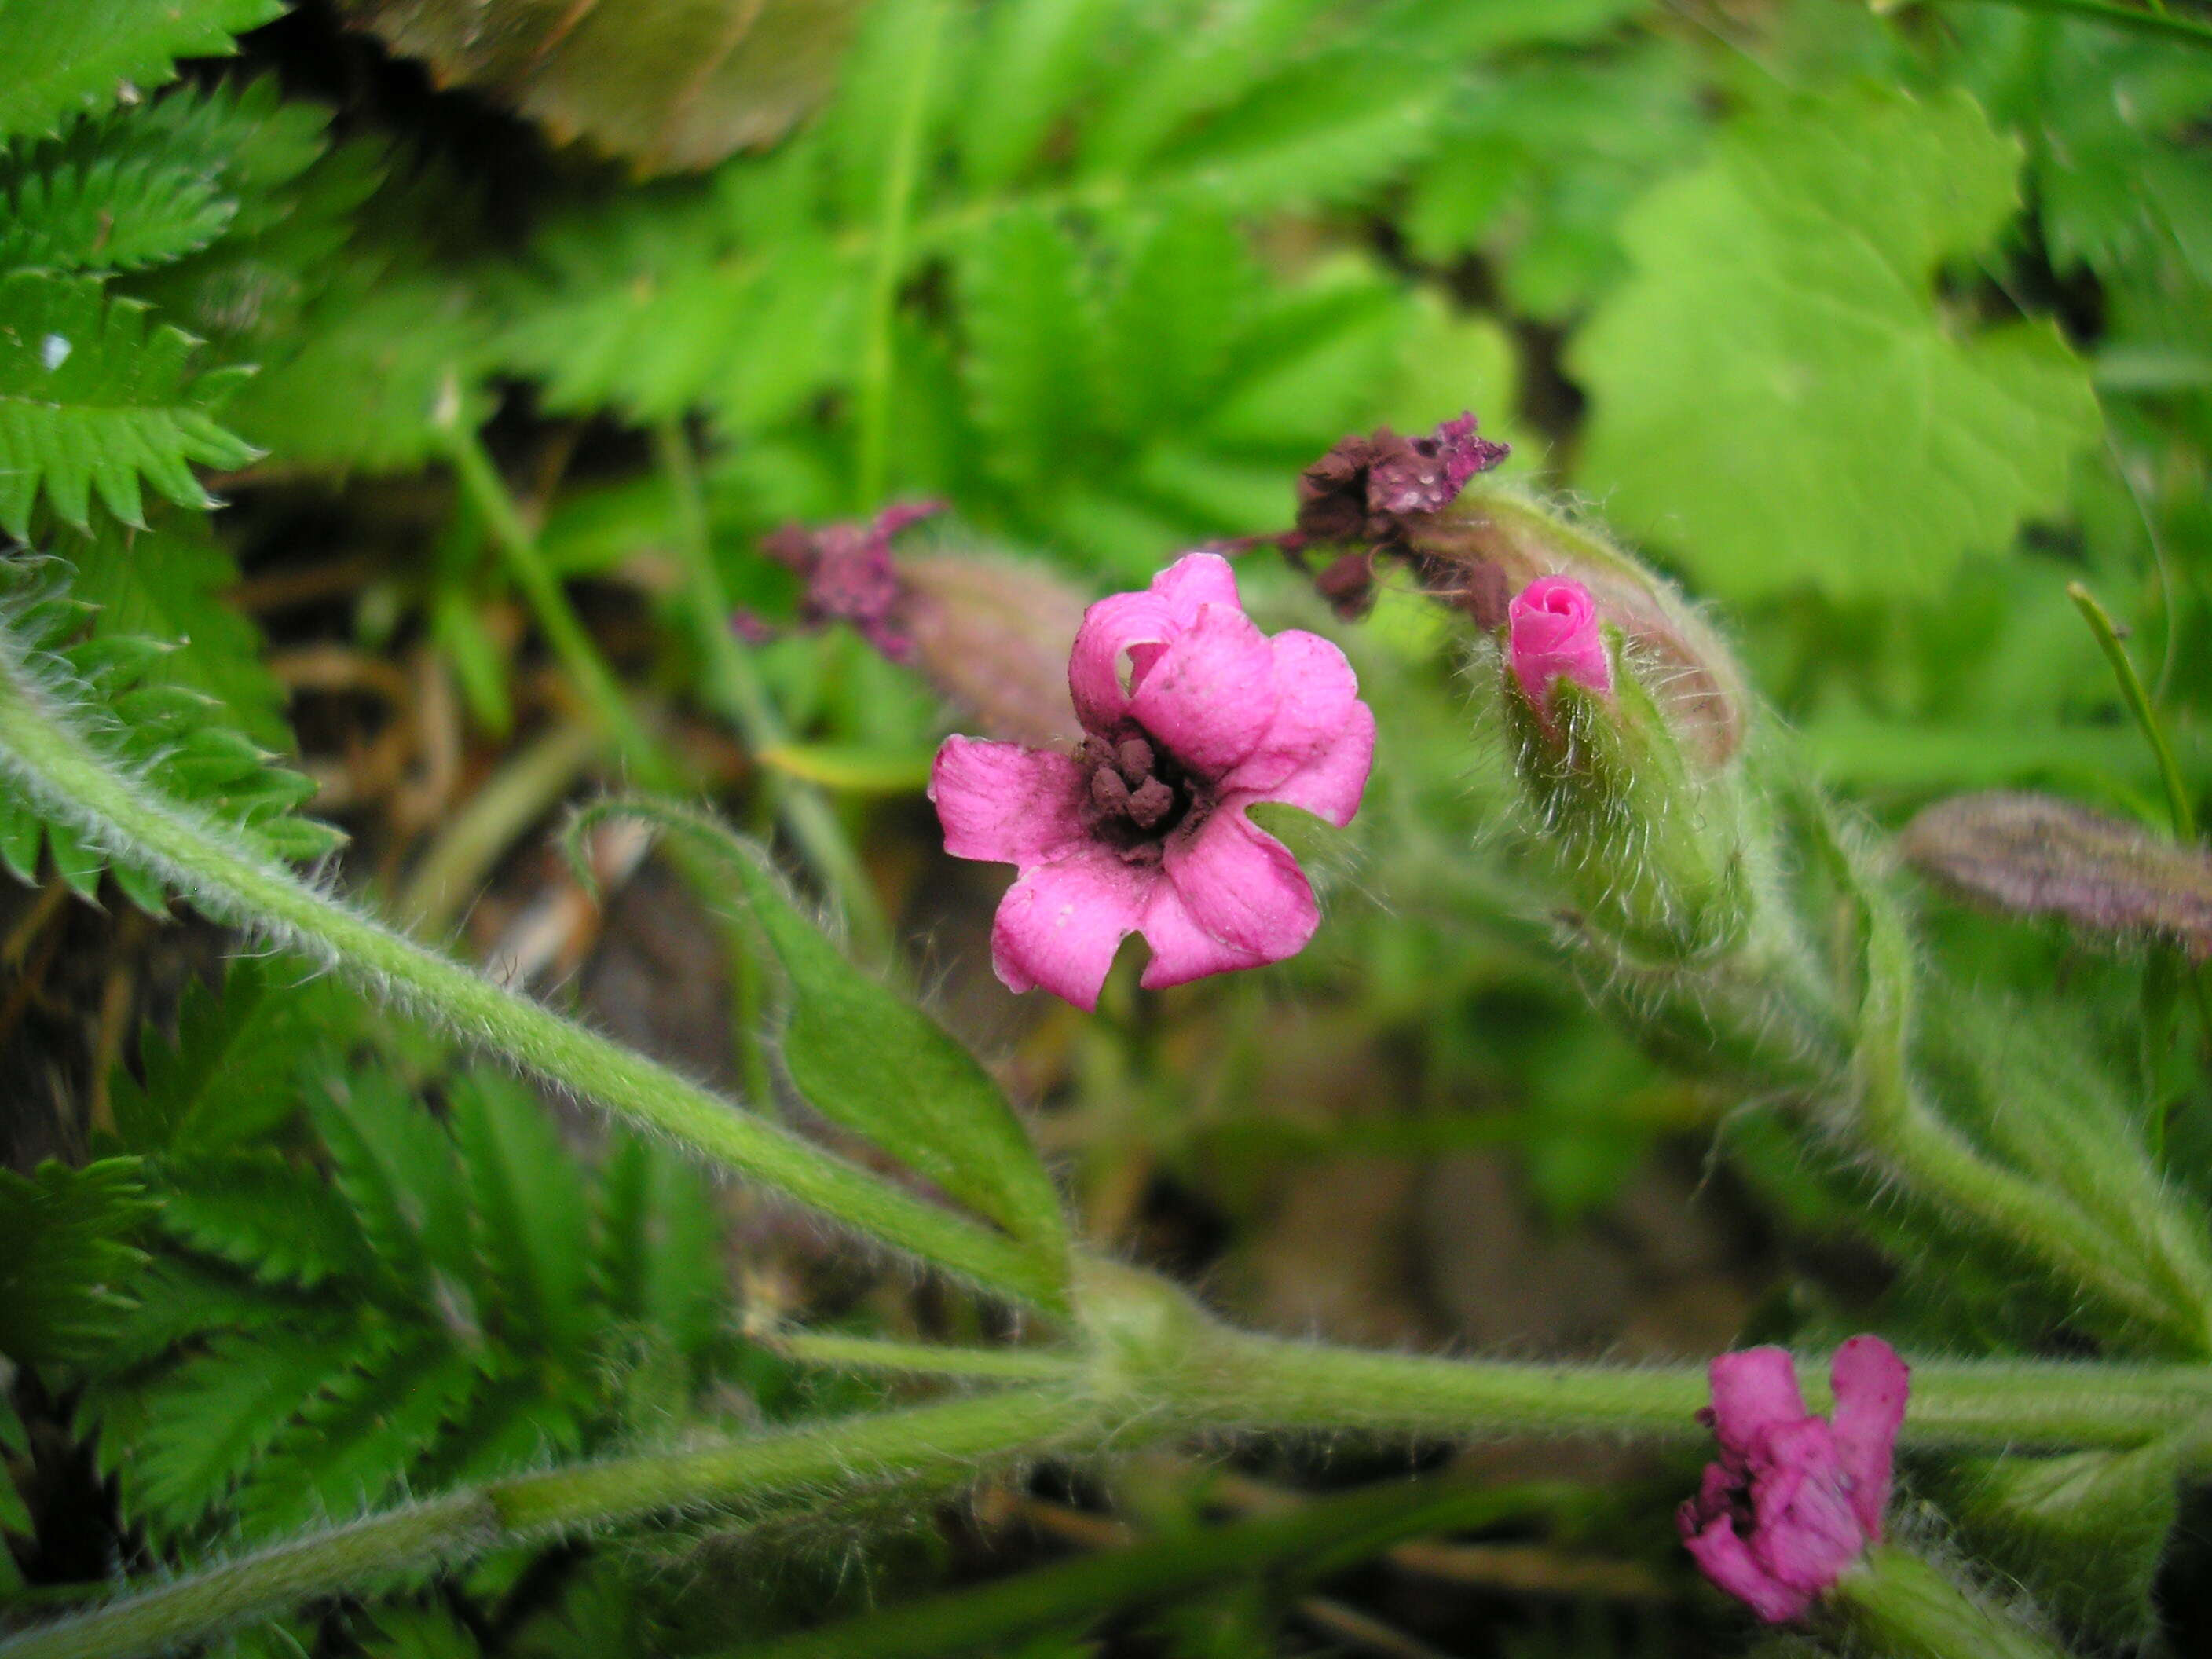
column 1242, row 887
column 1210, row 697
column 1871, row 1384
column 1113, row 628
column 1181, row 950
column 1317, row 751
column 1059, row 926
column 1807, row 1533
column 1005, row 804
column 1753, row 1391
column 1727, row 1560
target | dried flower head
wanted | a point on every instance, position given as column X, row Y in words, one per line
column 849, row 576
column 1190, row 714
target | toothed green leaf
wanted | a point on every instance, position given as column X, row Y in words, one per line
column 63, row 60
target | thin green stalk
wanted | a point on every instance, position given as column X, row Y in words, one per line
column 518, row 545
column 873, row 415
column 868, row 1353
column 1337, row 1532
column 934, row 1441
column 2138, row 701
column 43, row 754
column 734, row 683
column 447, row 876
column 2162, row 25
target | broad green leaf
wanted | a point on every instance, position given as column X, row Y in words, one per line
column 95, row 397
column 531, row 1220
column 65, row 59
column 665, row 83
column 873, row 1062
column 1776, row 396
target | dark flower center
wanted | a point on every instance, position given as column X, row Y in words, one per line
column 1138, row 793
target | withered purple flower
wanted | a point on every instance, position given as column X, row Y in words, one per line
column 850, row 576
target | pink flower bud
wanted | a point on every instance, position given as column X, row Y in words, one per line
column 1794, row 1499
column 1552, row 634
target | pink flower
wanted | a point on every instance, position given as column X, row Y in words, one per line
column 1794, row 1499
column 1190, row 714
column 1551, row 633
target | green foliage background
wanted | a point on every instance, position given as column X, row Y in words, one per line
column 1877, row 330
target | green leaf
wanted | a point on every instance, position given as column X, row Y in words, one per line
column 668, row 83
column 66, row 59
column 263, row 1212
column 232, row 1074
column 94, row 396
column 1186, row 284
column 1776, row 396
column 107, row 214
column 531, row 1220
column 396, row 1168
column 658, row 1264
column 65, row 1267
column 869, row 1061
column 1042, row 56
column 219, row 1415
column 374, row 364
column 1032, row 339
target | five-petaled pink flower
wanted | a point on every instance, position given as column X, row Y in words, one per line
column 1552, row 634
column 1794, row 1499
column 1191, row 715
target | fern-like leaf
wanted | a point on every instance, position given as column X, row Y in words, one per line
column 657, row 1265
column 95, row 397
column 108, row 215
column 66, row 1264
column 177, row 736
column 532, row 1221
column 235, row 1072
column 263, row 1212
column 220, row 1413
column 396, row 1168
column 67, row 59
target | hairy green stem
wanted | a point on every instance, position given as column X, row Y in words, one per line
column 734, row 683
column 518, row 545
column 1907, row 1609
column 942, row 1440
column 868, row 1353
column 50, row 761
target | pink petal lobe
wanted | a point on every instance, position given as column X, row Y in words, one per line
column 1196, row 580
column 1871, row 1384
column 1005, row 804
column 1181, row 950
column 1061, row 924
column 1210, row 697
column 1753, row 1391
column 1125, row 624
column 1726, row 1559
column 1317, row 751
column 1241, row 888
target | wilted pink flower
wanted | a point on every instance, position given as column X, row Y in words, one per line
column 850, row 576
column 1190, row 714
column 1794, row 1499
column 1551, row 633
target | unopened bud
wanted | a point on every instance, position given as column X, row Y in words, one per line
column 2037, row 855
column 1650, row 844
column 994, row 636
